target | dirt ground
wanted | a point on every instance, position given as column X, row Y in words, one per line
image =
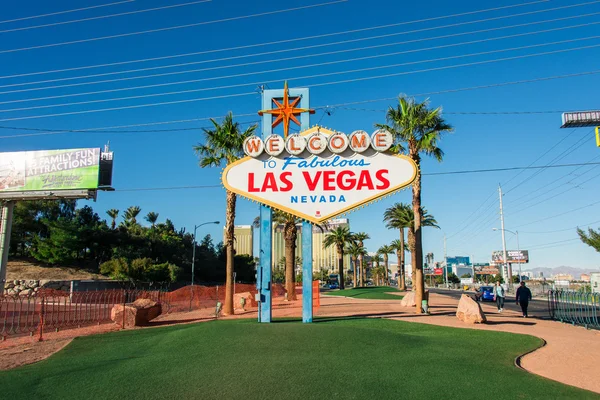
column 34, row 271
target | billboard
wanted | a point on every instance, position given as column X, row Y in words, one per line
column 438, row 271
column 49, row 170
column 319, row 174
column 580, row 119
column 514, row 256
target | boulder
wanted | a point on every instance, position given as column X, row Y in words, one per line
column 237, row 300
column 11, row 292
column 26, row 292
column 138, row 313
column 470, row 311
column 9, row 285
column 409, row 299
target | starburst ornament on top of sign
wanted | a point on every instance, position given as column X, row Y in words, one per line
column 286, row 111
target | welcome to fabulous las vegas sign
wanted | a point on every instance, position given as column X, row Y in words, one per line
column 319, row 173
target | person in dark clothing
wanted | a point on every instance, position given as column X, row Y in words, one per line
column 523, row 297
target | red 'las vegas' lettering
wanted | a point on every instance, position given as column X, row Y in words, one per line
column 270, row 183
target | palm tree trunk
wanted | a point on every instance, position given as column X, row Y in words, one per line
column 417, row 256
column 401, row 261
column 385, row 261
column 411, row 247
column 340, row 252
column 362, row 270
column 355, row 265
column 290, row 261
column 229, row 240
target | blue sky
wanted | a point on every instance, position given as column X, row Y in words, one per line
column 465, row 205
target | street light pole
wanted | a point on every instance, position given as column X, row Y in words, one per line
column 519, row 251
column 194, row 245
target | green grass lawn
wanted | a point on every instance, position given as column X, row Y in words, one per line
column 241, row 359
column 368, row 292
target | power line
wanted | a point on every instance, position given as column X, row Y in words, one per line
column 551, row 244
column 109, row 131
column 273, row 70
column 472, row 171
column 558, row 215
column 64, row 12
column 172, row 27
column 280, row 59
column 169, row 188
column 561, row 156
column 488, row 220
column 438, row 92
column 545, row 187
column 103, row 16
column 562, row 230
column 277, row 80
column 215, row 186
column 276, row 42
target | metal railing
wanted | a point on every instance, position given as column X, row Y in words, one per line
column 577, row 308
column 27, row 315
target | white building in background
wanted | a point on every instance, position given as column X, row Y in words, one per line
column 528, row 274
column 595, row 282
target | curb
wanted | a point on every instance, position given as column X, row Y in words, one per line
column 518, row 359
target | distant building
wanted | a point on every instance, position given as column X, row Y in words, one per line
column 243, row 243
column 562, row 277
column 585, row 277
column 528, row 274
column 458, row 260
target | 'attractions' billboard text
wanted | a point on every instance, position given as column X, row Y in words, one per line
column 49, row 170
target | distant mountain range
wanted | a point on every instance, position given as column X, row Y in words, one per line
column 548, row 272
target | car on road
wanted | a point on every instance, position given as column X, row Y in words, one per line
column 487, row 293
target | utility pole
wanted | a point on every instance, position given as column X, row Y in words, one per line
column 445, row 262
column 506, row 270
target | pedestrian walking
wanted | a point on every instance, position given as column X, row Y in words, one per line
column 499, row 296
column 523, row 297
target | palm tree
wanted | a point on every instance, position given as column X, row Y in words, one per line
column 385, row 250
column 131, row 214
column 223, row 144
column 420, row 128
column 339, row 237
column 360, row 237
column 426, row 220
column 354, row 250
column 376, row 270
column 400, row 249
column 113, row 213
column 399, row 216
column 290, row 235
column 151, row 217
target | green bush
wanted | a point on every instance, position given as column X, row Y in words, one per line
column 140, row 269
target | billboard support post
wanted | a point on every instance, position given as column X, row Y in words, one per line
column 6, row 217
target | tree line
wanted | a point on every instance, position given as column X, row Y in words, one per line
column 58, row 233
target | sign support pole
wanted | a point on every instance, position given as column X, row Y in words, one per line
column 266, row 260
column 307, row 273
column 6, row 218
column 266, row 216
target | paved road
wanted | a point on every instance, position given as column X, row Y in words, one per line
column 537, row 308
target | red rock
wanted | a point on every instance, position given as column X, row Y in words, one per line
column 470, row 311
column 139, row 313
